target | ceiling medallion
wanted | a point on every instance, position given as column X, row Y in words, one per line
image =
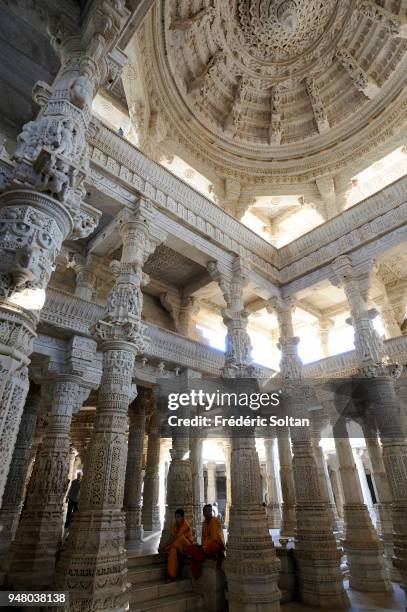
column 287, row 14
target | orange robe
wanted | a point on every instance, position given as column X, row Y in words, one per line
column 182, row 537
column 213, row 544
column 212, row 536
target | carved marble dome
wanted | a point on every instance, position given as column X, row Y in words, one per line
column 250, row 88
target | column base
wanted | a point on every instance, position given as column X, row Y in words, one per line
column 93, row 565
column 318, row 557
column 364, row 552
column 384, row 527
column 33, row 552
column 9, row 520
column 251, row 565
column 248, row 595
column 134, row 528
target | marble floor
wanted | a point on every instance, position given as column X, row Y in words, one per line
column 361, row 602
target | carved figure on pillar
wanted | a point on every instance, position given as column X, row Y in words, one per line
column 42, row 204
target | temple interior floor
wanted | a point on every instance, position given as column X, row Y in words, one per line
column 361, row 602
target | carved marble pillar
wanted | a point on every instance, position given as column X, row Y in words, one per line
column 42, row 204
column 325, row 483
column 238, row 360
column 39, row 533
column 228, row 457
column 318, row 557
column 290, row 367
column 355, row 283
column 390, row 324
column 211, row 493
column 197, row 480
column 337, row 491
column 151, row 508
column 251, row 564
column 273, row 506
column 93, row 565
column 133, row 479
column 387, row 414
column 288, row 520
column 384, row 407
column 179, row 484
column 383, row 506
column 324, row 326
column 363, row 548
column 189, row 308
column 16, row 481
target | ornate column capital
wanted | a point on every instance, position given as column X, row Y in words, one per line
column 238, row 346
column 81, row 366
column 122, row 320
column 139, row 232
column 356, row 283
column 283, row 308
column 85, row 270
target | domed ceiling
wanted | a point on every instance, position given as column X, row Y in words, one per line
column 274, row 92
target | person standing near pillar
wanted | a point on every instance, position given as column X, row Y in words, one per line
column 42, row 204
column 72, row 498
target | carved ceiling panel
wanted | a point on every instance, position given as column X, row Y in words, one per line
column 172, row 268
column 393, row 269
column 265, row 91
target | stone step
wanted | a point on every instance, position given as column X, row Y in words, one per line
column 134, row 560
column 146, row 573
column 151, row 591
column 182, row 602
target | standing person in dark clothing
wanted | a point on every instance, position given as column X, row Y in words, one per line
column 73, row 498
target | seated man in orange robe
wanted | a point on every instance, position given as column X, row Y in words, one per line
column 181, row 539
column 213, row 543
